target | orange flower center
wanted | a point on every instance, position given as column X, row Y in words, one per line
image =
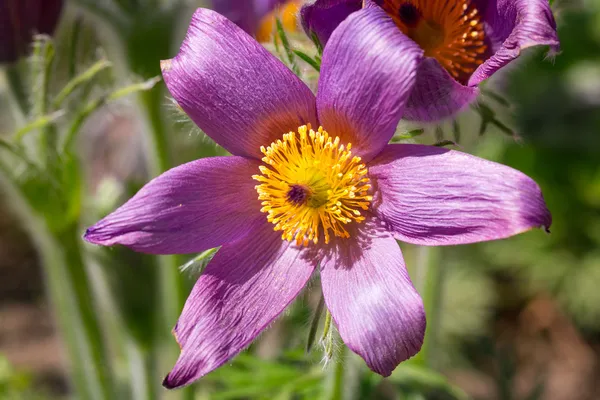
column 450, row 31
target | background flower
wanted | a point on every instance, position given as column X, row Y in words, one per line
column 257, row 17
column 20, row 20
column 465, row 42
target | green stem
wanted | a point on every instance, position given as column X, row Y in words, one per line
column 70, row 240
column 88, row 371
column 430, row 276
column 143, row 373
column 17, row 87
column 335, row 378
column 172, row 291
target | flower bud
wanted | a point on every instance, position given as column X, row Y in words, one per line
column 20, row 20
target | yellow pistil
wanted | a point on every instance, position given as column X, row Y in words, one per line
column 450, row 31
column 311, row 185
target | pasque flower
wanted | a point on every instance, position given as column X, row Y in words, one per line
column 465, row 42
column 257, row 17
column 20, row 20
column 312, row 181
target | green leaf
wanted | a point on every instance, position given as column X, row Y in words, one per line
column 456, row 130
column 94, row 105
column 286, row 46
column 444, row 143
column 39, row 123
column 79, row 80
column 425, row 380
column 312, row 333
column 309, row 60
column 197, row 264
column 407, row 135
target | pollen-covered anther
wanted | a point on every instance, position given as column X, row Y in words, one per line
column 311, row 186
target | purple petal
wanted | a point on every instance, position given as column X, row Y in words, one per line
column 234, row 89
column 242, row 13
column 368, row 71
column 516, row 25
column 243, row 289
column 433, row 196
column 378, row 312
column 188, row 209
column 436, row 94
column 323, row 16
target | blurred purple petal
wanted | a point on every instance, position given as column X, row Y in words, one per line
column 241, row 13
column 433, row 196
column 437, row 95
column 372, row 300
column 368, row 71
column 322, row 17
column 245, row 13
column 515, row 25
column 244, row 288
column 234, row 89
column 188, row 209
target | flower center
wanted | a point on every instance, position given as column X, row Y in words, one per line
column 450, row 31
column 312, row 186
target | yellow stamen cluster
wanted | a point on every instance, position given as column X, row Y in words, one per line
column 451, row 31
column 311, row 185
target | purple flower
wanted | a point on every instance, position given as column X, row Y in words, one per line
column 292, row 197
column 257, row 17
column 465, row 42
column 20, row 20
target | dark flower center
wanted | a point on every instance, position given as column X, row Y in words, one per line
column 297, row 194
column 409, row 14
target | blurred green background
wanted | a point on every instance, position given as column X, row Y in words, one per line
column 517, row 319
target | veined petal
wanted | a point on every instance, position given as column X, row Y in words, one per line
column 243, row 289
column 436, row 94
column 323, row 16
column 233, row 89
column 378, row 312
column 369, row 69
column 188, row 209
column 433, row 196
column 515, row 25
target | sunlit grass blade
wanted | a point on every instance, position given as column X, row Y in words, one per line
column 286, row 46
column 94, row 105
column 81, row 79
column 309, row 60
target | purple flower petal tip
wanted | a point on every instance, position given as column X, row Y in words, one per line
column 367, row 289
column 243, row 289
column 432, row 196
column 188, row 209
column 246, row 97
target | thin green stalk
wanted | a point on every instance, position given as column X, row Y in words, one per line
column 17, row 87
column 87, row 372
column 335, row 378
column 171, row 280
column 70, row 241
column 430, row 276
column 143, row 373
